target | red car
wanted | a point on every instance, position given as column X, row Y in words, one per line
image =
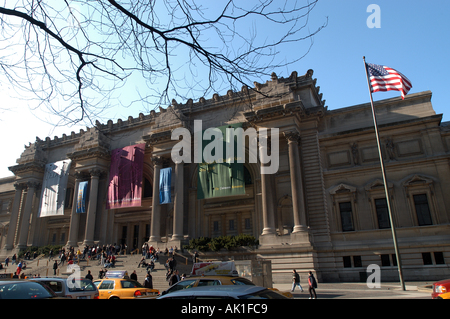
column 440, row 287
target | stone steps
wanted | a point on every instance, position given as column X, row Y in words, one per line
column 123, row 262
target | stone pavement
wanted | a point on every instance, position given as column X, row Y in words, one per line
column 414, row 290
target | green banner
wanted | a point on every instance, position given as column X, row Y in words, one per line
column 219, row 179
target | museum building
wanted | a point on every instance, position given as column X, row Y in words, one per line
column 323, row 209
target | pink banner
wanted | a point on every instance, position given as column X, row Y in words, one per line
column 125, row 177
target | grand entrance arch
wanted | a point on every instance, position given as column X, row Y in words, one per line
column 228, row 215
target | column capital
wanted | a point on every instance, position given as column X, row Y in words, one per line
column 32, row 184
column 95, row 172
column 157, row 160
column 79, row 176
column 19, row 186
column 292, row 137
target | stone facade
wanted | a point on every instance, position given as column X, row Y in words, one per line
column 324, row 209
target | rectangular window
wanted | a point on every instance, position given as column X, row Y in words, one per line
column 385, row 261
column 382, row 213
column 347, row 262
column 394, row 260
column 248, row 223
column 231, row 224
column 357, row 261
column 439, row 258
column 216, row 225
column 346, row 216
column 422, row 210
column 426, row 257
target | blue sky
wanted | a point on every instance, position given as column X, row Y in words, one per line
column 413, row 38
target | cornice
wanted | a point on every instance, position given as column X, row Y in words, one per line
column 96, row 152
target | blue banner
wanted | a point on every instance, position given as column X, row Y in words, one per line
column 165, row 177
column 81, row 200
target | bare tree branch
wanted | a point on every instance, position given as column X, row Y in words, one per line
column 79, row 54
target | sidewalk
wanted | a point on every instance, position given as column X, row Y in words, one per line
column 414, row 290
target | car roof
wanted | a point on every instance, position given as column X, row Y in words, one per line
column 56, row 279
column 120, row 279
column 213, row 276
column 12, row 280
column 232, row 291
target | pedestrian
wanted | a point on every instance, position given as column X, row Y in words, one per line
column 195, row 257
column 55, row 266
column 133, row 276
column 150, row 265
column 174, row 278
column 19, row 267
column 312, row 286
column 6, row 261
column 63, row 258
column 89, row 276
column 78, row 255
column 296, row 281
column 171, row 264
column 148, row 282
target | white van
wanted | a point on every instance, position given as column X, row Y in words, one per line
column 87, row 289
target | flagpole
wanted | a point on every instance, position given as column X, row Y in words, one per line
column 388, row 200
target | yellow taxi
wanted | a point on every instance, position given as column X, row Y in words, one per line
column 199, row 281
column 120, row 286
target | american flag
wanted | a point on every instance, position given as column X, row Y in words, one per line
column 383, row 78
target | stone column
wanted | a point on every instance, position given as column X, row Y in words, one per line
column 178, row 202
column 155, row 233
column 74, row 218
column 24, row 227
column 298, row 201
column 14, row 216
column 267, row 195
column 92, row 208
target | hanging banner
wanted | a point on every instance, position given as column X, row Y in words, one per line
column 226, row 268
column 165, row 180
column 125, row 177
column 81, row 200
column 219, row 179
column 54, row 188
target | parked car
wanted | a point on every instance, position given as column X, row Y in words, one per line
column 122, row 288
column 83, row 289
column 225, row 292
column 440, row 287
column 200, row 281
column 24, row 289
